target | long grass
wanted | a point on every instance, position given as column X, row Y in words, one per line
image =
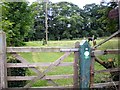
column 51, row 57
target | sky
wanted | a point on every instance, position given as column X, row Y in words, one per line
column 80, row 3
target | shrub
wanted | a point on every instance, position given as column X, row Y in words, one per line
column 16, row 72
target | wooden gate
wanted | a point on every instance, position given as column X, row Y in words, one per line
column 14, row 51
column 42, row 75
column 94, row 57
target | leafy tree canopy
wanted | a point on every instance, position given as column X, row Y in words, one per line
column 23, row 22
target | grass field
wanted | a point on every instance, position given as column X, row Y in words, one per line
column 51, row 57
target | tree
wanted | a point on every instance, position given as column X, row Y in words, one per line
column 108, row 25
column 68, row 21
column 91, row 15
column 16, row 22
column 65, row 22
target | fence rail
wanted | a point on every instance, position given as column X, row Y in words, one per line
column 53, row 77
column 30, row 65
column 31, row 49
column 51, row 49
column 101, row 85
column 45, row 87
column 39, row 49
column 108, row 70
column 107, row 51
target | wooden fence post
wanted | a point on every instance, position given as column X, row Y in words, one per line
column 76, row 58
column 3, row 68
column 92, row 69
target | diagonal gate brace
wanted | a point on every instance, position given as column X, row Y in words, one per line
column 56, row 63
column 33, row 69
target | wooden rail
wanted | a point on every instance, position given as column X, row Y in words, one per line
column 107, row 51
column 39, row 49
column 31, row 49
column 110, row 37
column 30, row 65
column 66, row 87
column 101, row 85
column 108, row 70
column 53, row 77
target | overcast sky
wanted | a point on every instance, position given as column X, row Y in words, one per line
column 80, row 3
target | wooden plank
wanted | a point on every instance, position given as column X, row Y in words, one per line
column 76, row 58
column 101, row 85
column 53, row 77
column 76, row 49
column 3, row 68
column 26, row 62
column 56, row 63
column 39, row 49
column 112, row 51
column 107, row 51
column 100, row 62
column 66, row 87
column 98, row 52
column 32, row 49
column 31, row 65
column 108, row 70
column 114, row 34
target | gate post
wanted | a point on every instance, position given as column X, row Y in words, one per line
column 3, row 69
column 76, row 68
column 85, row 61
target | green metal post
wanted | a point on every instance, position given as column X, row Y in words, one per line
column 85, row 61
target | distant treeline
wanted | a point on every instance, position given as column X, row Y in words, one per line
column 24, row 22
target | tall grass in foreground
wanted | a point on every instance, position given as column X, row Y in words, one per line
column 51, row 57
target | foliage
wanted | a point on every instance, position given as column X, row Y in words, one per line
column 23, row 22
column 108, row 25
column 15, row 72
column 68, row 21
column 16, row 22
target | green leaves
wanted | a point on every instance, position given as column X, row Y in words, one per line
column 65, row 21
column 16, row 22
